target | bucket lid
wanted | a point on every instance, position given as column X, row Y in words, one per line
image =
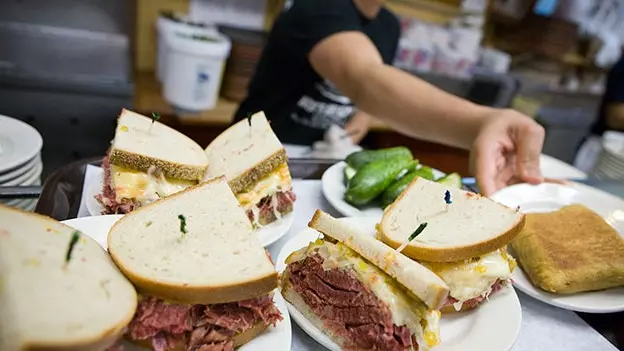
column 200, row 43
column 169, row 22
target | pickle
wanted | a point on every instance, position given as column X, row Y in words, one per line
column 360, row 158
column 373, row 178
column 395, row 189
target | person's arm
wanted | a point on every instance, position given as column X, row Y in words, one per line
column 615, row 115
column 351, row 61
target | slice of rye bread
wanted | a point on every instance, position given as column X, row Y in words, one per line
column 170, row 169
column 247, row 180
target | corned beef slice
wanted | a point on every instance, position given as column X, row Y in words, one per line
column 347, row 307
column 472, row 303
column 285, row 200
column 108, row 198
column 199, row 327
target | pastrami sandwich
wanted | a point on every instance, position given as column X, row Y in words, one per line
column 59, row 290
column 254, row 162
column 362, row 293
column 459, row 235
column 204, row 280
column 147, row 161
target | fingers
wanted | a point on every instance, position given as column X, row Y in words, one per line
column 483, row 160
column 529, row 142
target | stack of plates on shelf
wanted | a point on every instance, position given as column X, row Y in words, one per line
column 20, row 159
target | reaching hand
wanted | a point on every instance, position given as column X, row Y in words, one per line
column 358, row 125
column 507, row 151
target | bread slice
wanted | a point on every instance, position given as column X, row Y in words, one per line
column 141, row 143
column 470, row 226
column 46, row 303
column 217, row 260
column 423, row 283
column 245, row 154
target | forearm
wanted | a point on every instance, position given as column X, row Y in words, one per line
column 416, row 108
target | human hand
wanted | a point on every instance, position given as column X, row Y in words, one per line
column 507, row 151
column 357, row 127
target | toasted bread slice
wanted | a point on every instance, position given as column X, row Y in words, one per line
column 423, row 283
column 470, row 226
column 245, row 154
column 207, row 256
column 570, row 250
column 47, row 303
column 141, row 143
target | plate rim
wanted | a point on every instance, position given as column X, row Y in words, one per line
column 534, row 291
column 37, row 142
column 327, row 342
column 20, row 170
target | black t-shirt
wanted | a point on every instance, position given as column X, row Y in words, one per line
column 614, row 93
column 300, row 104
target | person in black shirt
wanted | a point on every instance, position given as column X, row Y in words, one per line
column 329, row 62
column 611, row 115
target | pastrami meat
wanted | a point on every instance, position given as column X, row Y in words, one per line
column 347, row 307
column 199, row 327
column 108, row 198
column 285, row 200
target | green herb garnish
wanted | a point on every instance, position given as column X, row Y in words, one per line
column 182, row 224
column 148, row 224
column 155, row 117
column 249, row 118
column 417, row 232
column 72, row 242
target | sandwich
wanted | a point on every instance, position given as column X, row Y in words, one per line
column 253, row 160
column 59, row 290
column 204, row 282
column 147, row 161
column 362, row 293
column 570, row 250
column 459, row 235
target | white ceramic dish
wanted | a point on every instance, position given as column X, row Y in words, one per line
column 550, row 197
column 19, row 143
column 554, row 168
column 470, row 330
column 30, row 177
column 274, row 338
column 334, row 189
column 267, row 234
column 20, row 170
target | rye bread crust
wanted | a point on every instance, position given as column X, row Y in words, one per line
column 247, row 180
column 143, row 163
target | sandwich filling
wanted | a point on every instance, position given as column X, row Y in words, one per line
column 357, row 301
column 126, row 189
column 270, row 198
column 199, row 327
column 473, row 280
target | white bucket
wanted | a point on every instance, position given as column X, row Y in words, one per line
column 171, row 23
column 194, row 69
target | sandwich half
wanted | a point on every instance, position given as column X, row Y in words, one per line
column 361, row 293
column 205, row 282
column 463, row 239
column 147, row 161
column 54, row 300
column 253, row 160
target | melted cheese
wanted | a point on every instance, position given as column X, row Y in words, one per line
column 145, row 188
column 474, row 277
column 405, row 309
column 276, row 181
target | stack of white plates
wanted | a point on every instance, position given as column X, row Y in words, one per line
column 20, row 158
column 610, row 162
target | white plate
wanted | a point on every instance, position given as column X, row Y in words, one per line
column 29, row 178
column 14, row 173
column 274, row 338
column 472, row 330
column 19, row 143
column 267, row 234
column 550, row 197
column 554, row 168
column 334, row 189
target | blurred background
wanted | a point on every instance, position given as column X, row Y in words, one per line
column 67, row 67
